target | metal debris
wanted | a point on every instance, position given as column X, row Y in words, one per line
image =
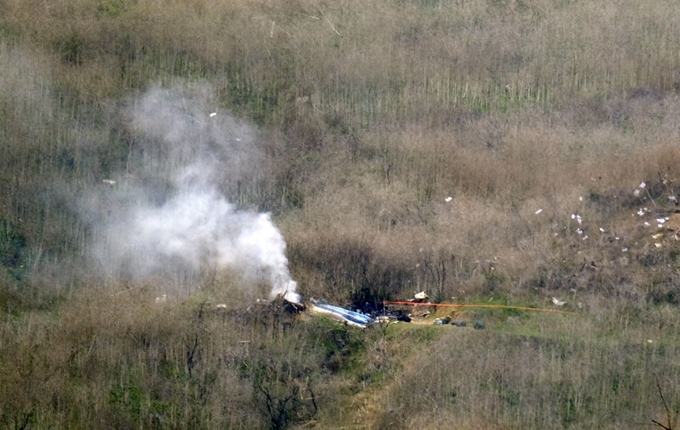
column 337, row 313
column 558, row 302
column 421, row 296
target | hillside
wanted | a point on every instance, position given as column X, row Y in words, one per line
column 161, row 157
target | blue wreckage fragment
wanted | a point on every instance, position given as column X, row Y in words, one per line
column 341, row 314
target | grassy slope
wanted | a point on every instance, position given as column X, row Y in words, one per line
column 546, row 371
column 373, row 115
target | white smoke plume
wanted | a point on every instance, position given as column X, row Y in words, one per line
column 170, row 214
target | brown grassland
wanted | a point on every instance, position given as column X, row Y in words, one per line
column 370, row 115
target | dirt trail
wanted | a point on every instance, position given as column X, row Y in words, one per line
column 367, row 405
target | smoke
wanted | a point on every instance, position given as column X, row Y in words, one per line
column 169, row 214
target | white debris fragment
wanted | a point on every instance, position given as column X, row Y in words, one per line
column 585, row 237
column 661, row 220
column 573, row 216
column 601, row 229
column 580, row 198
column 579, row 231
column 650, row 341
column 647, row 224
column 558, row 302
column 421, row 295
column 640, row 212
column 448, row 199
column 162, row 299
column 109, row 181
column 617, row 238
column 660, row 225
column 578, row 219
column 673, row 198
column 538, row 211
column 624, row 249
column 213, row 114
column 221, row 306
column 658, row 245
column 642, row 185
column 636, row 193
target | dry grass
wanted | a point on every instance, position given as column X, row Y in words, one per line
column 552, row 372
column 372, row 115
column 117, row 359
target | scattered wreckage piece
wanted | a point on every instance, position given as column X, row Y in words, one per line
column 401, row 316
column 392, row 317
column 383, row 319
column 277, row 312
column 421, row 296
column 442, row 321
column 337, row 313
